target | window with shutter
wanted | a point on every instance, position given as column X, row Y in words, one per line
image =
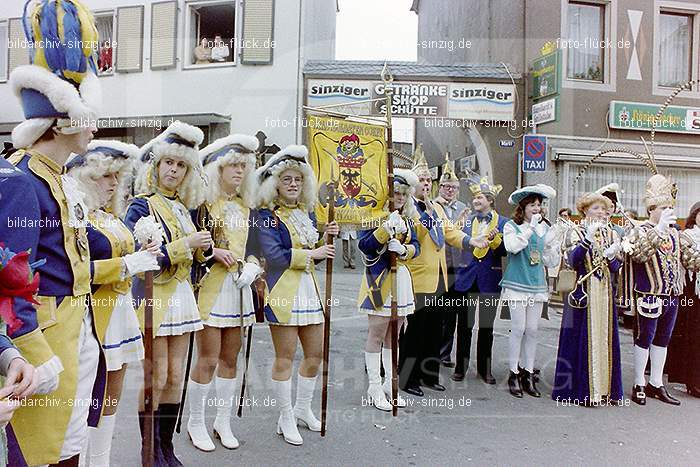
column 163, row 35
column 3, row 50
column 18, row 54
column 257, row 43
column 129, row 39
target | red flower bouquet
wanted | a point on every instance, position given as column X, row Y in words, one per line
column 17, row 280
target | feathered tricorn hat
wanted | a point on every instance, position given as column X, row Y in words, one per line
column 267, row 177
column 60, row 87
column 105, row 157
column 420, row 165
column 179, row 141
column 230, row 149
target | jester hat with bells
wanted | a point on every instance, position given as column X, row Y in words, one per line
column 102, row 158
column 59, row 88
column 179, row 141
column 230, row 149
column 267, row 177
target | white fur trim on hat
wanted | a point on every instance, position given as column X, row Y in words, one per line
column 213, row 169
column 267, row 191
column 29, row 131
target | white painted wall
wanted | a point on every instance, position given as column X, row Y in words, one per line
column 263, row 97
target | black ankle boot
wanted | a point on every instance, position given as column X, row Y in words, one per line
column 527, row 380
column 514, row 385
column 157, row 453
column 167, row 419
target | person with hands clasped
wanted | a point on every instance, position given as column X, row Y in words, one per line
column 224, row 295
column 170, row 182
column 291, row 245
column 588, row 368
column 531, row 247
column 660, row 254
column 104, row 170
column 396, row 234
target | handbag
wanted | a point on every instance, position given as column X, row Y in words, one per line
column 566, row 279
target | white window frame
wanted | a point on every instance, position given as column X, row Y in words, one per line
column 6, row 71
column 189, row 47
column 105, row 12
column 610, row 54
column 690, row 9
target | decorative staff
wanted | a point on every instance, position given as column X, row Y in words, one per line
column 388, row 92
column 327, row 310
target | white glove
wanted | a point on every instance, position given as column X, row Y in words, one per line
column 611, row 251
column 248, row 274
column 591, row 229
column 395, row 224
column 668, row 218
column 48, row 376
column 534, row 220
column 397, row 247
column 141, row 261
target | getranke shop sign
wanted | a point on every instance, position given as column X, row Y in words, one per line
column 418, row 99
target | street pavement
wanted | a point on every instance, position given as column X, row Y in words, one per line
column 470, row 423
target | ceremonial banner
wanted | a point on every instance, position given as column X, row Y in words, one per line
column 353, row 155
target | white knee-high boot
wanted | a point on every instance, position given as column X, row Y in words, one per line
column 196, row 428
column 286, row 424
column 641, row 356
column 375, row 393
column 101, row 441
column 658, row 360
column 302, row 407
column 225, row 394
column 388, row 372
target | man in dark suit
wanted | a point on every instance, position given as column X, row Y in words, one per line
column 478, row 279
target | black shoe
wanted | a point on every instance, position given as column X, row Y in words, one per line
column 662, row 394
column 167, row 419
column 434, row 386
column 157, row 453
column 535, row 373
column 352, row 266
column 448, row 364
column 639, row 396
column 488, row 377
column 414, row 391
column 527, row 380
column 514, row 385
column 457, row 376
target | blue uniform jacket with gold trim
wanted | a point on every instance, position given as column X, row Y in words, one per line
column 487, row 271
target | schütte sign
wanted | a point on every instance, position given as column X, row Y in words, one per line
column 417, row 99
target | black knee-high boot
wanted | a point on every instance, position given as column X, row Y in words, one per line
column 157, row 453
column 167, row 419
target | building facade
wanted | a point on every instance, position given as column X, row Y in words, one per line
column 223, row 65
column 597, row 72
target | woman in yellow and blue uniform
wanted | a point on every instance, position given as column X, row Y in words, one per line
column 224, row 295
column 170, row 183
column 396, row 234
column 104, row 171
column 289, row 242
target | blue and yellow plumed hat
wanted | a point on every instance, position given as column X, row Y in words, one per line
column 61, row 83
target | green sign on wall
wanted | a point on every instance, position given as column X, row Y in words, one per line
column 546, row 71
column 640, row 116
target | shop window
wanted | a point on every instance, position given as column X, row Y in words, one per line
column 586, row 31
column 675, row 48
column 211, row 34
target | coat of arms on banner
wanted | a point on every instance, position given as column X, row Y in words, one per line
column 353, row 156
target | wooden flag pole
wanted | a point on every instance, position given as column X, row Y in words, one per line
column 147, row 440
column 388, row 92
column 327, row 311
